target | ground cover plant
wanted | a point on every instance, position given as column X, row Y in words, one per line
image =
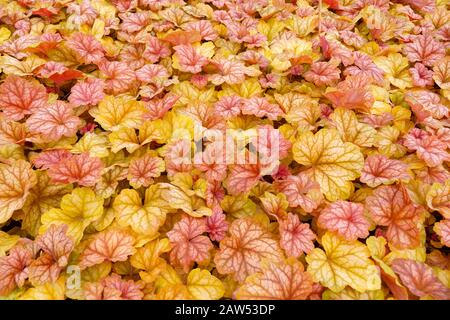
column 218, row 149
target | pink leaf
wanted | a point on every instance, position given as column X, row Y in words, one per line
column 54, row 121
column 189, row 245
column 111, row 245
column 379, row 169
column 80, row 168
column 296, row 237
column 419, row 279
column 392, row 207
column 88, row 92
column 20, row 97
column 346, row 219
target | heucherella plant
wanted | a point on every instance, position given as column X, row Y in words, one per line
column 224, row 149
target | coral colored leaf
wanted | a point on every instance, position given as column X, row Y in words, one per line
column 379, row 169
column 442, row 228
column 346, row 219
column 20, row 97
column 391, row 206
column 49, row 158
column 54, row 121
column 322, row 73
column 119, row 76
column 332, row 163
column 420, row 279
column 60, row 78
column 425, row 49
column 296, row 237
column 56, row 247
column 80, row 168
column 352, row 93
column 242, row 178
column 343, row 263
column 86, row 47
column 230, row 72
column 300, row 191
column 16, row 181
column 216, row 226
column 189, row 245
column 183, row 37
column 14, row 269
column 277, row 281
column 260, row 107
column 88, row 92
column 241, row 253
column 110, row 245
column 429, row 147
column 113, row 287
column 142, row 170
column 189, row 58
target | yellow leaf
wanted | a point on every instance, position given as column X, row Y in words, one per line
column 124, row 137
column 351, row 294
column 376, row 246
column 302, row 26
column 78, row 210
column 177, row 198
column 396, row 68
column 386, row 142
column 4, row 34
column 284, row 280
column 167, row 278
column 206, row 49
column 438, row 198
column 239, row 206
column 188, row 93
column 43, row 197
column 332, row 163
column 48, row 291
column 104, row 9
column 145, row 218
column 351, row 130
column 98, row 29
column 270, row 28
column 343, row 263
column 157, row 130
column 299, row 108
column 94, row 143
column 417, row 254
column 7, row 241
column 16, row 180
column 246, row 89
column 204, row 286
column 11, row 65
column 96, row 273
column 147, row 257
column 115, row 112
